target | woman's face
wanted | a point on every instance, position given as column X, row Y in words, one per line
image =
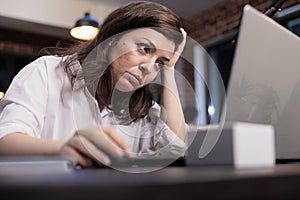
column 137, row 58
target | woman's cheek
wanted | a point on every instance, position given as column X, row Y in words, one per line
column 150, row 78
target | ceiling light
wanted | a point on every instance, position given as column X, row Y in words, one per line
column 1, row 95
column 85, row 28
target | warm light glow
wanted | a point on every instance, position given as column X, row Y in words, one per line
column 84, row 32
column 1, row 95
column 211, row 110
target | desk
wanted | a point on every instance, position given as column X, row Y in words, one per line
column 280, row 182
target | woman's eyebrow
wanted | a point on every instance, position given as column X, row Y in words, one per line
column 165, row 59
column 150, row 42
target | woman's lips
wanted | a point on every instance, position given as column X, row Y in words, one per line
column 134, row 79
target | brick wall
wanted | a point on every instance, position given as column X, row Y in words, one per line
column 223, row 18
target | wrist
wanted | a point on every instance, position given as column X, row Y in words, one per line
column 56, row 146
column 168, row 71
column 167, row 75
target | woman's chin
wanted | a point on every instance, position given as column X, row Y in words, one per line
column 125, row 87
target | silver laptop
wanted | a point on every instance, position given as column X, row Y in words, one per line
column 36, row 164
column 264, row 85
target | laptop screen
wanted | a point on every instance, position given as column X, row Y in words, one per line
column 264, row 85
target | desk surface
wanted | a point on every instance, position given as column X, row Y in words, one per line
column 280, row 182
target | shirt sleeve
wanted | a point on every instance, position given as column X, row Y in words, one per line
column 23, row 107
column 166, row 142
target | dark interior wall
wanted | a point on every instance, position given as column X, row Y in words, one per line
column 21, row 42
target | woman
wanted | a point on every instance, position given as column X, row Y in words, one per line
column 109, row 78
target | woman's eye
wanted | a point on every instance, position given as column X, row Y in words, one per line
column 145, row 48
column 160, row 65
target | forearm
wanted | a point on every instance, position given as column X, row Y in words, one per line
column 18, row 144
column 172, row 111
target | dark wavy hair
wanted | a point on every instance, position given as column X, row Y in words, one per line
column 131, row 16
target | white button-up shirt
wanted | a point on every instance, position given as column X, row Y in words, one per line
column 42, row 103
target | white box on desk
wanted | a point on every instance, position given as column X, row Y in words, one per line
column 238, row 143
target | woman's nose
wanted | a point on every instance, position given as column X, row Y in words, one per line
column 146, row 68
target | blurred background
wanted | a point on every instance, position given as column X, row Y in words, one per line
column 28, row 26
